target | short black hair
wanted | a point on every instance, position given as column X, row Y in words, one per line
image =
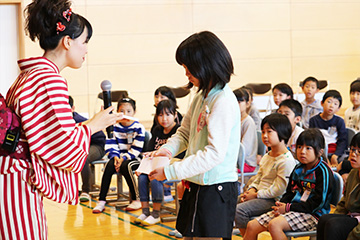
column 284, row 88
column 280, row 124
column 334, row 94
column 355, row 86
column 127, row 100
column 294, row 105
column 241, row 95
column 311, row 79
column 312, row 137
column 167, row 106
column 355, row 141
column 207, row 59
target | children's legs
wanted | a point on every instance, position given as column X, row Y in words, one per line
column 106, row 179
column 253, row 229
column 157, row 193
column 126, row 169
column 277, row 227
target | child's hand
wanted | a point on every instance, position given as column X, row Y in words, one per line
column 137, row 173
column 157, row 174
column 250, row 194
column 158, row 153
column 117, row 163
column 334, row 160
column 279, row 208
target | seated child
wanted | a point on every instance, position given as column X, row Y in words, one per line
column 331, row 125
column 96, row 152
column 123, row 151
column 307, row 195
column 352, row 114
column 248, row 131
column 281, row 92
column 165, row 93
column 251, row 109
column 311, row 106
column 293, row 110
column 271, row 179
column 344, row 223
column 166, row 117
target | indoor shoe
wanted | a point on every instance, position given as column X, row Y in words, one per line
column 140, row 218
column 150, row 220
column 168, row 198
column 100, row 207
column 175, row 233
column 135, row 205
column 84, row 197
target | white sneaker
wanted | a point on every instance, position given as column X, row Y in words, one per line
column 175, row 233
column 135, row 205
column 84, row 197
column 150, row 220
column 168, row 198
column 140, row 218
column 100, row 207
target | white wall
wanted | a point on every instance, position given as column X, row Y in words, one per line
column 9, row 52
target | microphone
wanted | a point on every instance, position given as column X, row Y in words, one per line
column 106, row 88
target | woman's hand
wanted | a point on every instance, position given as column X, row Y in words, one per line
column 157, row 174
column 162, row 152
column 103, row 119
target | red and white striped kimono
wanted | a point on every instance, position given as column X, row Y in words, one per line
column 58, row 150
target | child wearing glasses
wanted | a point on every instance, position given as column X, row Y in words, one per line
column 344, row 223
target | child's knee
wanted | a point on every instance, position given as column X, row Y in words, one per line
column 252, row 225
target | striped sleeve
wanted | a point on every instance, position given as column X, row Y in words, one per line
column 48, row 123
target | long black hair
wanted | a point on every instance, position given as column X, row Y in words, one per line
column 43, row 18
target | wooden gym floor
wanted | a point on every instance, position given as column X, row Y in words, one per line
column 67, row 222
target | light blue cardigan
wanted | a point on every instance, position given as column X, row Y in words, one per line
column 212, row 152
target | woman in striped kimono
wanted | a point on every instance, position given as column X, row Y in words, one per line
column 52, row 149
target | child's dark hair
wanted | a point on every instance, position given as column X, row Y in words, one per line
column 355, row 86
column 314, row 138
column 166, row 91
column 280, row 124
column 249, row 90
column 241, row 95
column 284, row 88
column 166, row 106
column 50, row 20
column 355, row 141
column 127, row 100
column 207, row 59
column 294, row 105
column 332, row 93
column 311, row 79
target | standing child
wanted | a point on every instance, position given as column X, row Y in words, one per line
column 293, row 110
column 307, row 195
column 344, row 223
column 311, row 106
column 281, row 92
column 210, row 132
column 275, row 168
column 123, row 151
column 248, row 131
column 166, row 117
column 332, row 126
